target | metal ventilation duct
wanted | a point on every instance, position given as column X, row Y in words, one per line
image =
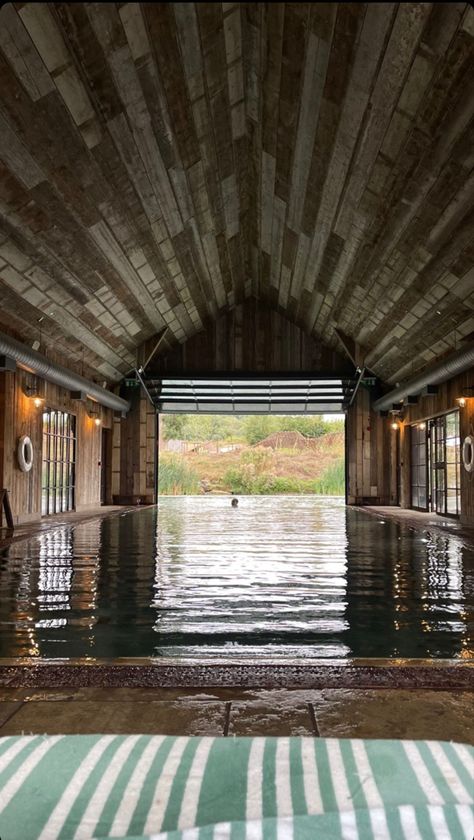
column 43, row 367
column 456, row 363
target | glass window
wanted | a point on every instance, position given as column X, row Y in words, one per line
column 57, row 494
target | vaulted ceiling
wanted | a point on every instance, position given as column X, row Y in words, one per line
column 160, row 162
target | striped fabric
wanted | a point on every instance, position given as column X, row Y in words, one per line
column 140, row 786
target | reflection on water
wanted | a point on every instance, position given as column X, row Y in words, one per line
column 278, row 576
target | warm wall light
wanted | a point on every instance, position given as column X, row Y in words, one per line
column 33, row 390
column 93, row 411
column 394, row 425
column 422, row 426
column 461, row 401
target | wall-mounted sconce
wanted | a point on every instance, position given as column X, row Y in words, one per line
column 422, row 426
column 461, row 401
column 397, row 416
column 31, row 388
column 93, row 410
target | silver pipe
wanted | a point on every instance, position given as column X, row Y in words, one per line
column 145, row 388
column 57, row 374
column 455, row 363
column 359, row 380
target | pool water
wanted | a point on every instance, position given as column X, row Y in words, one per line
column 278, row 576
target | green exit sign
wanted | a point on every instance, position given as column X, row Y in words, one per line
column 132, row 383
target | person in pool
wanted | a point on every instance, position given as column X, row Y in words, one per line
column 235, row 502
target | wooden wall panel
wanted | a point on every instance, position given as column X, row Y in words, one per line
column 371, row 461
column 19, row 416
column 133, row 466
column 254, row 338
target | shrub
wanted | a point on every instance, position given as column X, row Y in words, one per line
column 175, row 477
column 332, row 481
column 246, row 481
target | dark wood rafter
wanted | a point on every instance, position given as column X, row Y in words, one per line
column 163, row 163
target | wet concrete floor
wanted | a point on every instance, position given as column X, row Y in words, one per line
column 377, row 713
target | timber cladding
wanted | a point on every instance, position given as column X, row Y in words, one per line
column 162, row 162
column 372, row 455
column 19, row 416
column 252, row 337
column 134, row 453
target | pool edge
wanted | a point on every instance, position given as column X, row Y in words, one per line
column 444, row 675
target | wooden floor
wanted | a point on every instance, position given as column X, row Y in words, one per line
column 48, row 523
column 421, row 520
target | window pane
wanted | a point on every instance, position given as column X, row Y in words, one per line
column 452, row 502
column 44, row 502
column 450, row 425
column 451, row 474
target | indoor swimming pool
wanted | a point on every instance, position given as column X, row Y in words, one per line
column 280, row 577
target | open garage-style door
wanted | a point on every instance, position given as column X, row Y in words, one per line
column 282, row 394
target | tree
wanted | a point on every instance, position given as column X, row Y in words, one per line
column 257, row 428
column 174, row 426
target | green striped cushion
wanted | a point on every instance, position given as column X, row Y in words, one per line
column 85, row 786
column 430, row 822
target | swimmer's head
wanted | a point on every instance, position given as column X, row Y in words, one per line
column 234, row 502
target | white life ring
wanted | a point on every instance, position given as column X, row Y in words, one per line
column 24, row 453
column 468, row 453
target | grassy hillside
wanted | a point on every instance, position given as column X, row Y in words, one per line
column 314, row 465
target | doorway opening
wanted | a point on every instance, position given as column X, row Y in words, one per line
column 257, row 436
column 251, row 455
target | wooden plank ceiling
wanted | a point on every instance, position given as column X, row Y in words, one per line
column 161, row 162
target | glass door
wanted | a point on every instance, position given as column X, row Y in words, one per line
column 419, row 467
column 59, row 456
column 445, row 453
column 453, row 464
column 438, row 465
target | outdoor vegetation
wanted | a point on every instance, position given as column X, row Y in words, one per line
column 264, row 454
